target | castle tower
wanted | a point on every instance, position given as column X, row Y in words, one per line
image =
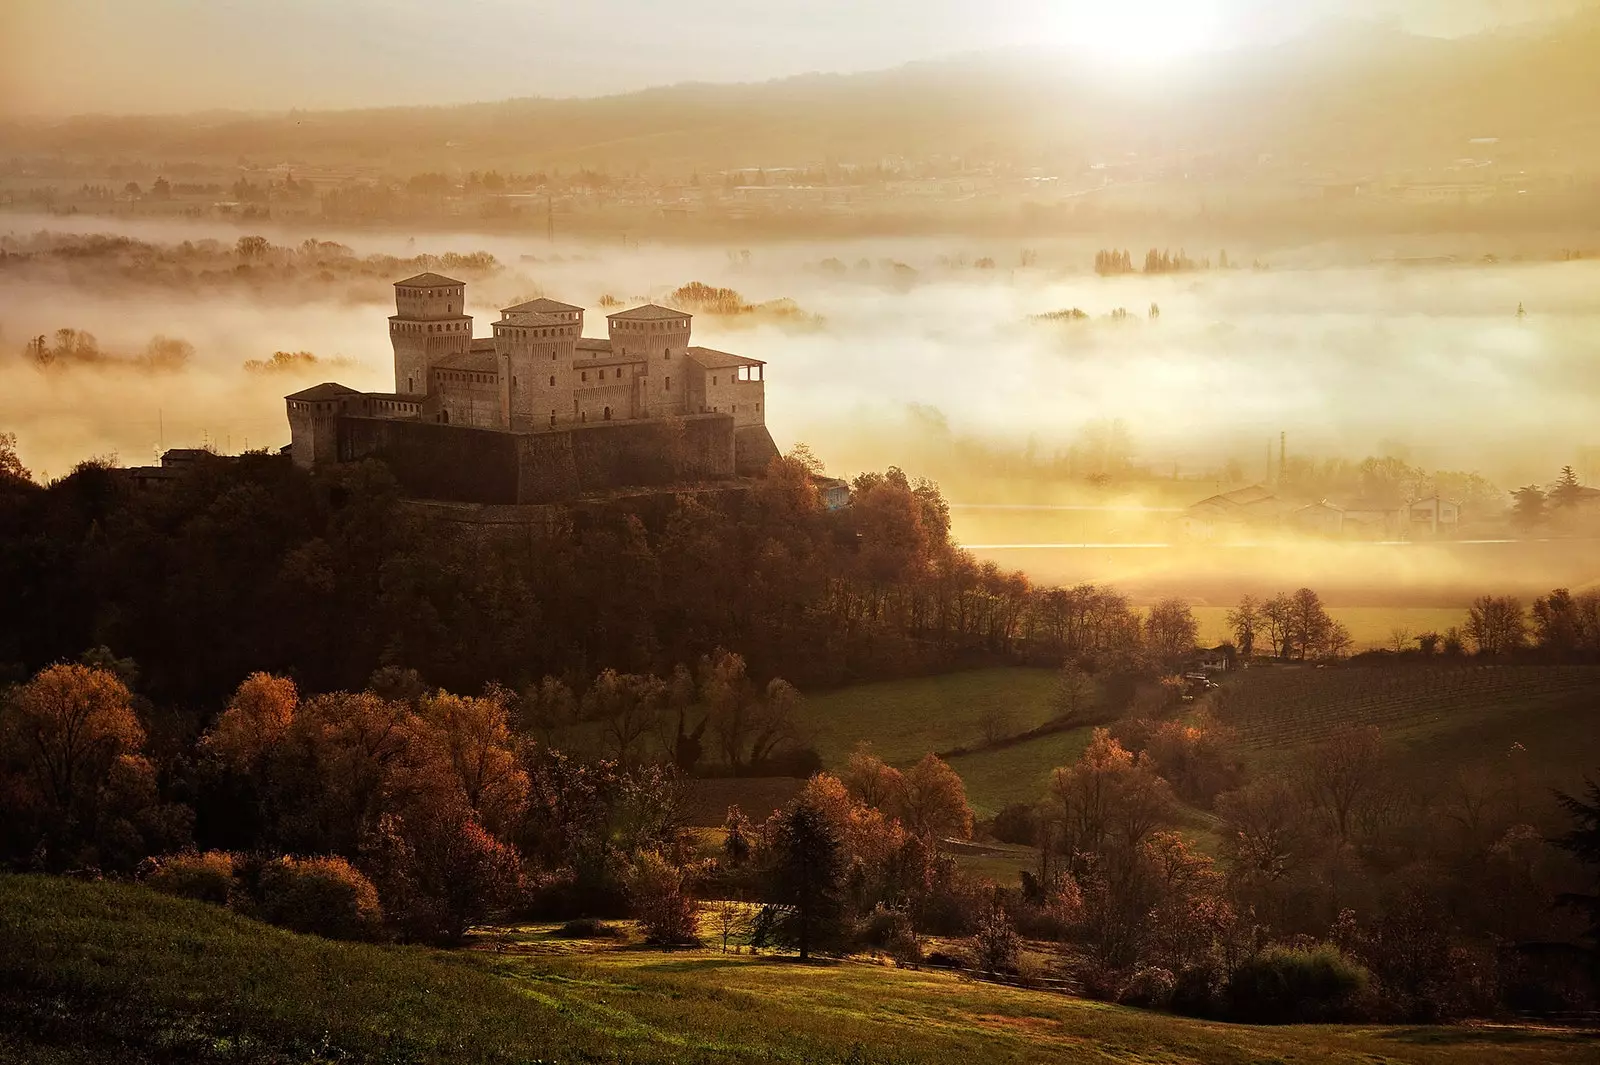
column 536, row 343
column 659, row 337
column 430, row 323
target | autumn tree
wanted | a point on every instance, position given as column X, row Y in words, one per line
column 1170, row 631
column 935, row 803
column 1496, row 624
column 1074, row 694
column 1341, row 775
column 1244, row 621
column 11, row 467
column 874, row 782
column 474, row 738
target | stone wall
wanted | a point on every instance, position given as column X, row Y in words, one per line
column 462, row 464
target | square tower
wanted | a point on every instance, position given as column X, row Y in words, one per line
column 429, row 324
column 659, row 338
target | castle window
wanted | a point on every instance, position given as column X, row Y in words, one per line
column 585, row 375
column 666, row 353
column 552, row 380
column 713, row 378
column 758, row 408
column 668, row 387
column 552, row 417
column 608, row 414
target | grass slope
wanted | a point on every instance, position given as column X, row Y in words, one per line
column 100, row 972
column 906, row 719
column 1444, row 714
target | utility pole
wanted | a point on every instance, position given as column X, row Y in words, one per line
column 1283, row 457
column 549, row 219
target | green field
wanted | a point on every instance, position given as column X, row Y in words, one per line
column 906, row 719
column 104, row 972
column 1446, row 713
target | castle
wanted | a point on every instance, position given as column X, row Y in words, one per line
column 538, row 412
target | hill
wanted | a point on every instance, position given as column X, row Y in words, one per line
column 1327, row 98
column 97, row 972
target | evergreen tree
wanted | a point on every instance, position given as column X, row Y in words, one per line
column 804, row 878
column 1529, row 505
column 1583, row 841
column 1567, row 490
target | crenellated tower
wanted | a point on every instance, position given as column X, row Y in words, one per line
column 659, row 337
column 429, row 324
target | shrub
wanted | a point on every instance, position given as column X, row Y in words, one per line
column 322, row 896
column 661, row 901
column 1285, row 985
column 1017, row 823
column 996, row 945
column 585, row 928
column 204, row 877
column 890, row 930
column 1150, row 988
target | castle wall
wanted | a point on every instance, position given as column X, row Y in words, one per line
column 436, row 461
column 753, row 450
column 463, row 464
column 468, row 397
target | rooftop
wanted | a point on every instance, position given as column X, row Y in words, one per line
column 712, row 359
column 326, row 390
column 476, row 360
column 532, row 318
column 542, row 305
column 593, row 344
column 428, row 280
column 650, row 312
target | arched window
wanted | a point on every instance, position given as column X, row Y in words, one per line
column 608, row 414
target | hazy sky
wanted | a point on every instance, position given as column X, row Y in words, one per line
column 66, row 56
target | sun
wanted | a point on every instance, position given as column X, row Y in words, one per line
column 1137, row 32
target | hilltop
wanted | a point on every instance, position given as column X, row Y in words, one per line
column 1324, row 99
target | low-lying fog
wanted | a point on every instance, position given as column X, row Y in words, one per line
column 1349, row 354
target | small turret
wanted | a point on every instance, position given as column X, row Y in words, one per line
column 430, row 323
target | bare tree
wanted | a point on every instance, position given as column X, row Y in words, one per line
column 1244, row 621
column 996, row 722
column 1497, row 624
column 1074, row 694
column 1341, row 775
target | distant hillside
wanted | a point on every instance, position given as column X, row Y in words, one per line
column 107, row 972
column 1351, row 95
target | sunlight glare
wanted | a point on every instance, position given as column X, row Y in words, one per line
column 1138, row 32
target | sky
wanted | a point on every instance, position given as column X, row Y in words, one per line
column 160, row 56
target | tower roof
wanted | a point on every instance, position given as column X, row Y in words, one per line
column 542, row 305
column 532, row 318
column 648, row 313
column 712, row 359
column 326, row 390
column 428, row 280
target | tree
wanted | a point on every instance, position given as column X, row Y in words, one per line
column 1309, row 624
column 1582, row 841
column 628, row 707
column 935, row 804
column 661, row 901
column 11, row 467
column 874, row 782
column 1496, row 625
column 251, row 247
column 474, row 736
column 70, row 724
column 996, row 722
column 1340, row 775
column 995, row 945
column 439, row 871
column 1528, row 505
column 807, row 865
column 1074, row 694
column 1170, row 631
column 1243, row 621
column 1278, row 613
column 1567, row 492
column 258, row 715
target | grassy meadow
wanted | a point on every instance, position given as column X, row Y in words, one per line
column 107, row 972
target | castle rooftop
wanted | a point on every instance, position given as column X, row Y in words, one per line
column 532, row 318
column 428, row 280
column 650, row 312
column 476, row 360
column 542, row 305
column 713, row 359
column 326, row 390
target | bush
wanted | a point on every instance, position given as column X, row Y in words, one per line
column 890, row 930
column 585, row 928
column 204, row 877
column 661, row 901
column 322, row 896
column 1017, row 823
column 996, row 945
column 1284, row 985
column 1150, row 988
